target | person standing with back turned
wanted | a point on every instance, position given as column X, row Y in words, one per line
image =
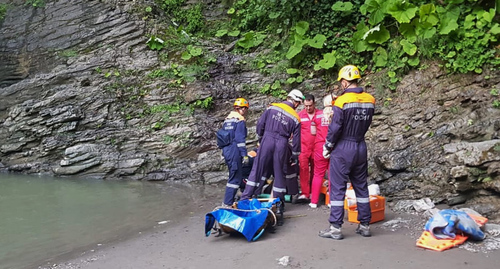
column 275, row 127
column 235, row 154
column 345, row 145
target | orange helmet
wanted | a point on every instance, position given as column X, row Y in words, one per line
column 241, row 102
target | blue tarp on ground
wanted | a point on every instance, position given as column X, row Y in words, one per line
column 447, row 222
column 247, row 219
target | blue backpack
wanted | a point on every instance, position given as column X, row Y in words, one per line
column 223, row 138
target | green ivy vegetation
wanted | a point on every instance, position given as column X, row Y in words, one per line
column 190, row 19
column 3, row 11
column 304, row 39
column 391, row 36
column 496, row 100
column 35, row 3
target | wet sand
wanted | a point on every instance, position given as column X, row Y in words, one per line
column 183, row 244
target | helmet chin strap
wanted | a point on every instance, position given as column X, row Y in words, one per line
column 342, row 88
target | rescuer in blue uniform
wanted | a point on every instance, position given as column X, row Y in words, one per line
column 345, row 145
column 275, row 127
column 235, row 154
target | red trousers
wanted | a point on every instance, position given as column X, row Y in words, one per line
column 320, row 168
column 306, row 164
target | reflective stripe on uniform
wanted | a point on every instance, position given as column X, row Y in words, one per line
column 295, row 117
column 337, row 203
column 231, row 120
column 233, row 186
column 362, row 200
column 251, row 183
column 275, row 189
column 240, row 145
column 359, row 105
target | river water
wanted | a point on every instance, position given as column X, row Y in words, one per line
column 45, row 218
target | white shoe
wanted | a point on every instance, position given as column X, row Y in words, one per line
column 313, row 205
column 303, row 197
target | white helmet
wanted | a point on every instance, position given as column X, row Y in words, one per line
column 327, row 100
column 296, row 95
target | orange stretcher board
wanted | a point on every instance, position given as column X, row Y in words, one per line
column 428, row 241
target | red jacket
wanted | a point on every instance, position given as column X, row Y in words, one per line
column 307, row 139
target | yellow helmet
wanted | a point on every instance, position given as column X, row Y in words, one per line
column 241, row 102
column 349, row 72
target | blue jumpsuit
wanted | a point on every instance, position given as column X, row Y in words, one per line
column 278, row 123
column 352, row 115
column 234, row 153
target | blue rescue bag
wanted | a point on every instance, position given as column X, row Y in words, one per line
column 447, row 222
column 249, row 218
column 223, row 138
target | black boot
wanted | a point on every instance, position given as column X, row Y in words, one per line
column 279, row 212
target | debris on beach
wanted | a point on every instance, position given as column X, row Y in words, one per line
column 284, row 260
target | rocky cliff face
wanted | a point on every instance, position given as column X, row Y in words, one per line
column 76, row 99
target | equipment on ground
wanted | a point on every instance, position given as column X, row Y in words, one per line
column 247, row 217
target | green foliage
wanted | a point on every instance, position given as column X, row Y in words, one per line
column 312, row 28
column 191, row 18
column 469, row 47
column 462, row 35
column 191, row 51
column 296, row 76
column 206, row 103
column 169, row 109
column 68, row 53
column 496, row 102
column 496, row 147
column 179, row 75
column 250, row 40
column 3, row 11
column 455, row 109
column 168, row 139
column 35, row 3
column 485, row 179
column 390, row 36
column 299, row 49
column 274, row 89
column 155, row 43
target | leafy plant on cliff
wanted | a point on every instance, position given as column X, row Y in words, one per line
column 35, row 3
column 391, row 36
column 206, row 103
column 189, row 18
column 3, row 11
column 155, row 43
column 496, row 102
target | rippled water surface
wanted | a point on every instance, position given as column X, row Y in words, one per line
column 43, row 218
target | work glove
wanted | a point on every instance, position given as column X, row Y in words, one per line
column 294, row 160
column 245, row 160
column 326, row 151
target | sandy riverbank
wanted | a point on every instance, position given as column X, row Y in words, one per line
column 183, row 245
